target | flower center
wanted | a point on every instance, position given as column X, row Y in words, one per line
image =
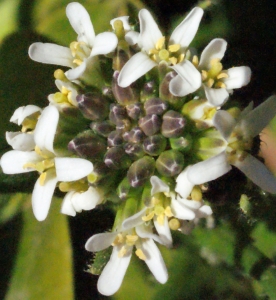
column 65, row 96
column 80, row 51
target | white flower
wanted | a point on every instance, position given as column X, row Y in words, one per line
column 74, row 202
column 51, row 168
column 79, row 56
column 218, row 83
column 122, row 241
column 153, row 51
column 239, row 135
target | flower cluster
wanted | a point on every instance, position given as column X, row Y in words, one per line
column 148, row 138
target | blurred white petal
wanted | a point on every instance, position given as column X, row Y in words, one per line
column 22, row 112
column 100, row 241
column 104, row 43
column 237, row 77
column 183, row 184
column 158, row 186
column 224, row 123
column 216, row 97
column 20, row 140
column 164, row 231
column 67, row 206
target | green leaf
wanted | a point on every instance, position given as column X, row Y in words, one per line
column 43, row 268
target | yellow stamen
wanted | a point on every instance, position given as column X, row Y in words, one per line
column 174, row 224
column 180, row 58
column 148, row 217
column 173, row 60
column 60, row 97
column 160, row 43
column 122, row 252
column 220, row 84
column 42, row 178
column 160, row 219
column 204, row 75
column 59, row 74
column 222, row 75
column 168, row 211
column 195, row 60
column 140, row 254
column 174, row 48
column 92, row 178
column 77, row 61
column 119, row 239
column 210, row 82
column 196, row 193
column 131, row 239
column 164, row 54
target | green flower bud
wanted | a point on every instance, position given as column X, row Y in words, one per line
column 155, row 106
column 134, row 151
column 141, row 171
column 93, row 106
column 155, row 144
column 150, row 124
column 148, row 91
column 102, row 128
column 170, row 163
column 181, row 143
column 173, row 124
column 88, row 145
column 135, row 110
column 115, row 138
column 116, row 158
column 123, row 189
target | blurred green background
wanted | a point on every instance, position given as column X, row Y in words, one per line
column 235, row 260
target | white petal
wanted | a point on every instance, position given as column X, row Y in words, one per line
column 154, row 260
column 104, row 43
column 113, row 273
column 158, row 186
column 42, row 196
column 71, row 169
column 258, row 173
column 81, row 23
column 100, row 241
column 181, row 211
column 124, row 19
column 256, row 120
column 22, row 112
column 164, row 232
column 186, row 30
column 86, row 200
column 132, row 37
column 187, row 81
column 215, row 49
column 238, row 77
column 204, row 211
column 45, row 130
column 12, row 162
column 183, row 184
column 77, row 72
column 138, row 65
column 216, row 97
column 149, row 31
column 209, row 169
column 20, row 140
column 51, row 54
column 134, row 220
column 67, row 206
column 146, row 232
column 224, row 123
column 191, row 204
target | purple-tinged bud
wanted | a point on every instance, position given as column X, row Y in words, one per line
column 141, row 171
column 115, row 138
column 150, row 124
column 88, row 145
column 154, row 145
column 123, row 125
column 135, row 110
column 134, row 151
column 124, row 96
column 102, row 128
column 117, row 113
column 116, row 158
column 148, row 91
column 93, row 106
column 155, row 106
column 173, row 124
column 107, row 91
column 135, row 135
column 170, row 163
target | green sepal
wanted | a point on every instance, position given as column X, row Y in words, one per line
column 100, row 260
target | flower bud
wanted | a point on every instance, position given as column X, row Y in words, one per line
column 124, row 96
column 135, row 135
column 116, row 158
column 123, row 189
column 170, row 163
column 181, row 143
column 155, row 144
column 135, row 110
column 102, row 128
column 88, row 145
column 93, row 106
column 115, row 138
column 155, row 106
column 150, row 124
column 117, row 113
column 173, row 124
column 148, row 91
column 134, row 151
column 141, row 171
column 123, row 125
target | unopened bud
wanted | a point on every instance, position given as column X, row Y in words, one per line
column 93, row 106
column 102, row 128
column 155, row 106
column 123, row 189
column 117, row 113
column 115, row 138
column 135, row 110
column 181, row 143
column 116, row 158
column 88, row 145
column 150, row 124
column 148, row 91
column 141, row 171
column 155, row 144
column 170, row 163
column 173, row 124
column 123, row 125
column 135, row 135
column 134, row 151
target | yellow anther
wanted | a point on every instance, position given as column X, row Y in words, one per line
column 216, row 68
column 40, row 153
column 60, row 97
column 158, row 210
column 155, row 201
column 119, row 239
column 78, row 186
column 77, row 61
column 174, row 47
column 221, row 85
column 204, row 75
column 131, row 239
column 160, row 43
column 148, row 216
column 174, row 224
column 59, row 74
column 196, row 193
column 173, row 60
column 64, row 187
column 210, row 82
column 42, row 178
column 153, row 51
column 64, row 90
column 195, row 60
column 180, row 58
column 168, row 211
column 140, row 254
column 222, row 75
column 160, row 219
column 73, row 47
column 164, row 54
column 92, row 178
column 122, row 252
